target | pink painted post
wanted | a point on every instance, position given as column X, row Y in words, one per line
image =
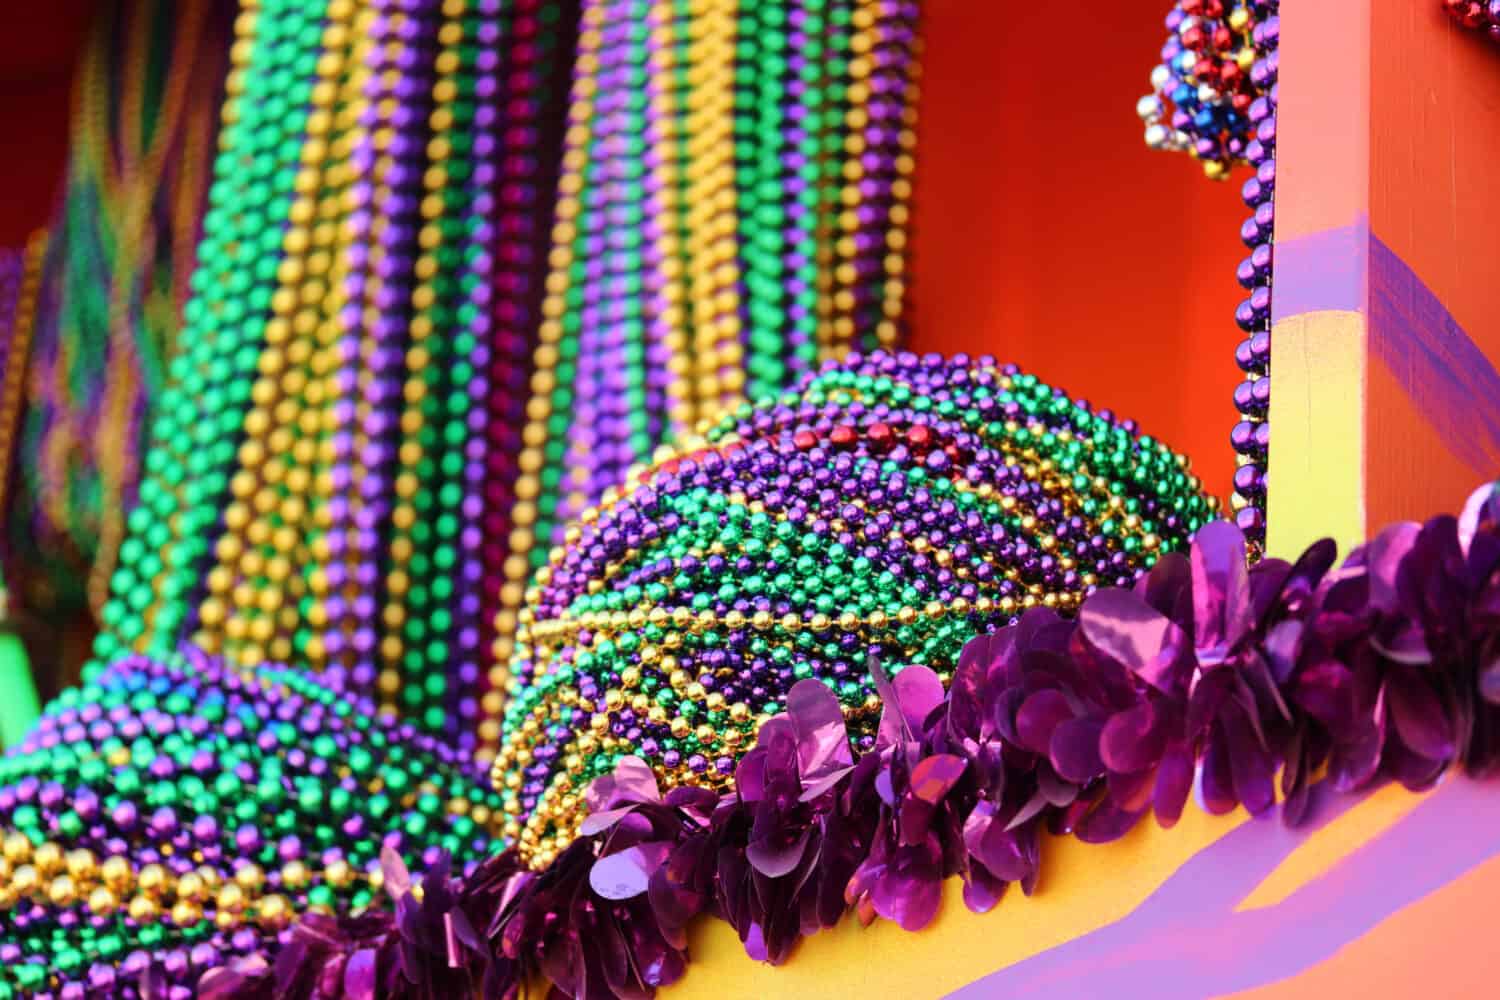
column 1385, row 396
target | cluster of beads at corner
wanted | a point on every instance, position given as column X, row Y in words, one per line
column 1214, row 97
column 892, row 506
column 176, row 814
column 1480, row 15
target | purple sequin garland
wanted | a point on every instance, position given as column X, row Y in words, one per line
column 1386, row 667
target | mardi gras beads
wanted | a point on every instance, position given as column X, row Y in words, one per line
column 893, row 505
column 183, row 814
column 1214, row 96
column 1251, row 437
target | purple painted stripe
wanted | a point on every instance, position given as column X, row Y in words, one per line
column 1186, row 941
column 1444, row 373
column 1322, row 271
column 1448, row 379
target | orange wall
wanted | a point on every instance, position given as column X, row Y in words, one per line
column 1047, row 234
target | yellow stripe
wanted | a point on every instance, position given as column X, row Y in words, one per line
column 1317, row 460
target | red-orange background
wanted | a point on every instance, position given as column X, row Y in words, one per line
column 1045, row 232
column 1048, row 235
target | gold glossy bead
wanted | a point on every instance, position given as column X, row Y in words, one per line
column 102, row 902
column 339, row 874
column 231, row 898
column 117, row 873
column 186, row 913
column 80, row 863
column 250, row 877
column 153, row 879
column 24, row 880
column 62, row 891
column 48, row 859
column 190, row 886
column 17, row 848
column 274, row 911
column 143, row 909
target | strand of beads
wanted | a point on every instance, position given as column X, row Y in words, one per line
column 883, row 100
column 534, row 82
column 177, row 816
column 1218, row 77
column 1480, row 15
column 269, row 520
column 892, row 505
column 555, row 360
column 193, row 444
column 356, row 637
column 1251, row 437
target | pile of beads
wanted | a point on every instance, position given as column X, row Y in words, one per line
column 181, row 813
column 1218, row 78
column 1482, row 15
column 111, row 290
column 892, row 506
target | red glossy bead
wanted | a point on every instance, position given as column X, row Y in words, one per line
column 804, row 440
column 843, row 436
column 919, row 437
column 879, row 435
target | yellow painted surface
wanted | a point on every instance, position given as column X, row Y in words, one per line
column 1083, row 887
column 1317, row 461
column 1323, row 848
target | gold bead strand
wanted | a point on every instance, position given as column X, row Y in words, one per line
column 712, row 247
column 329, row 365
column 893, row 291
column 666, row 207
column 856, row 114
column 263, row 525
